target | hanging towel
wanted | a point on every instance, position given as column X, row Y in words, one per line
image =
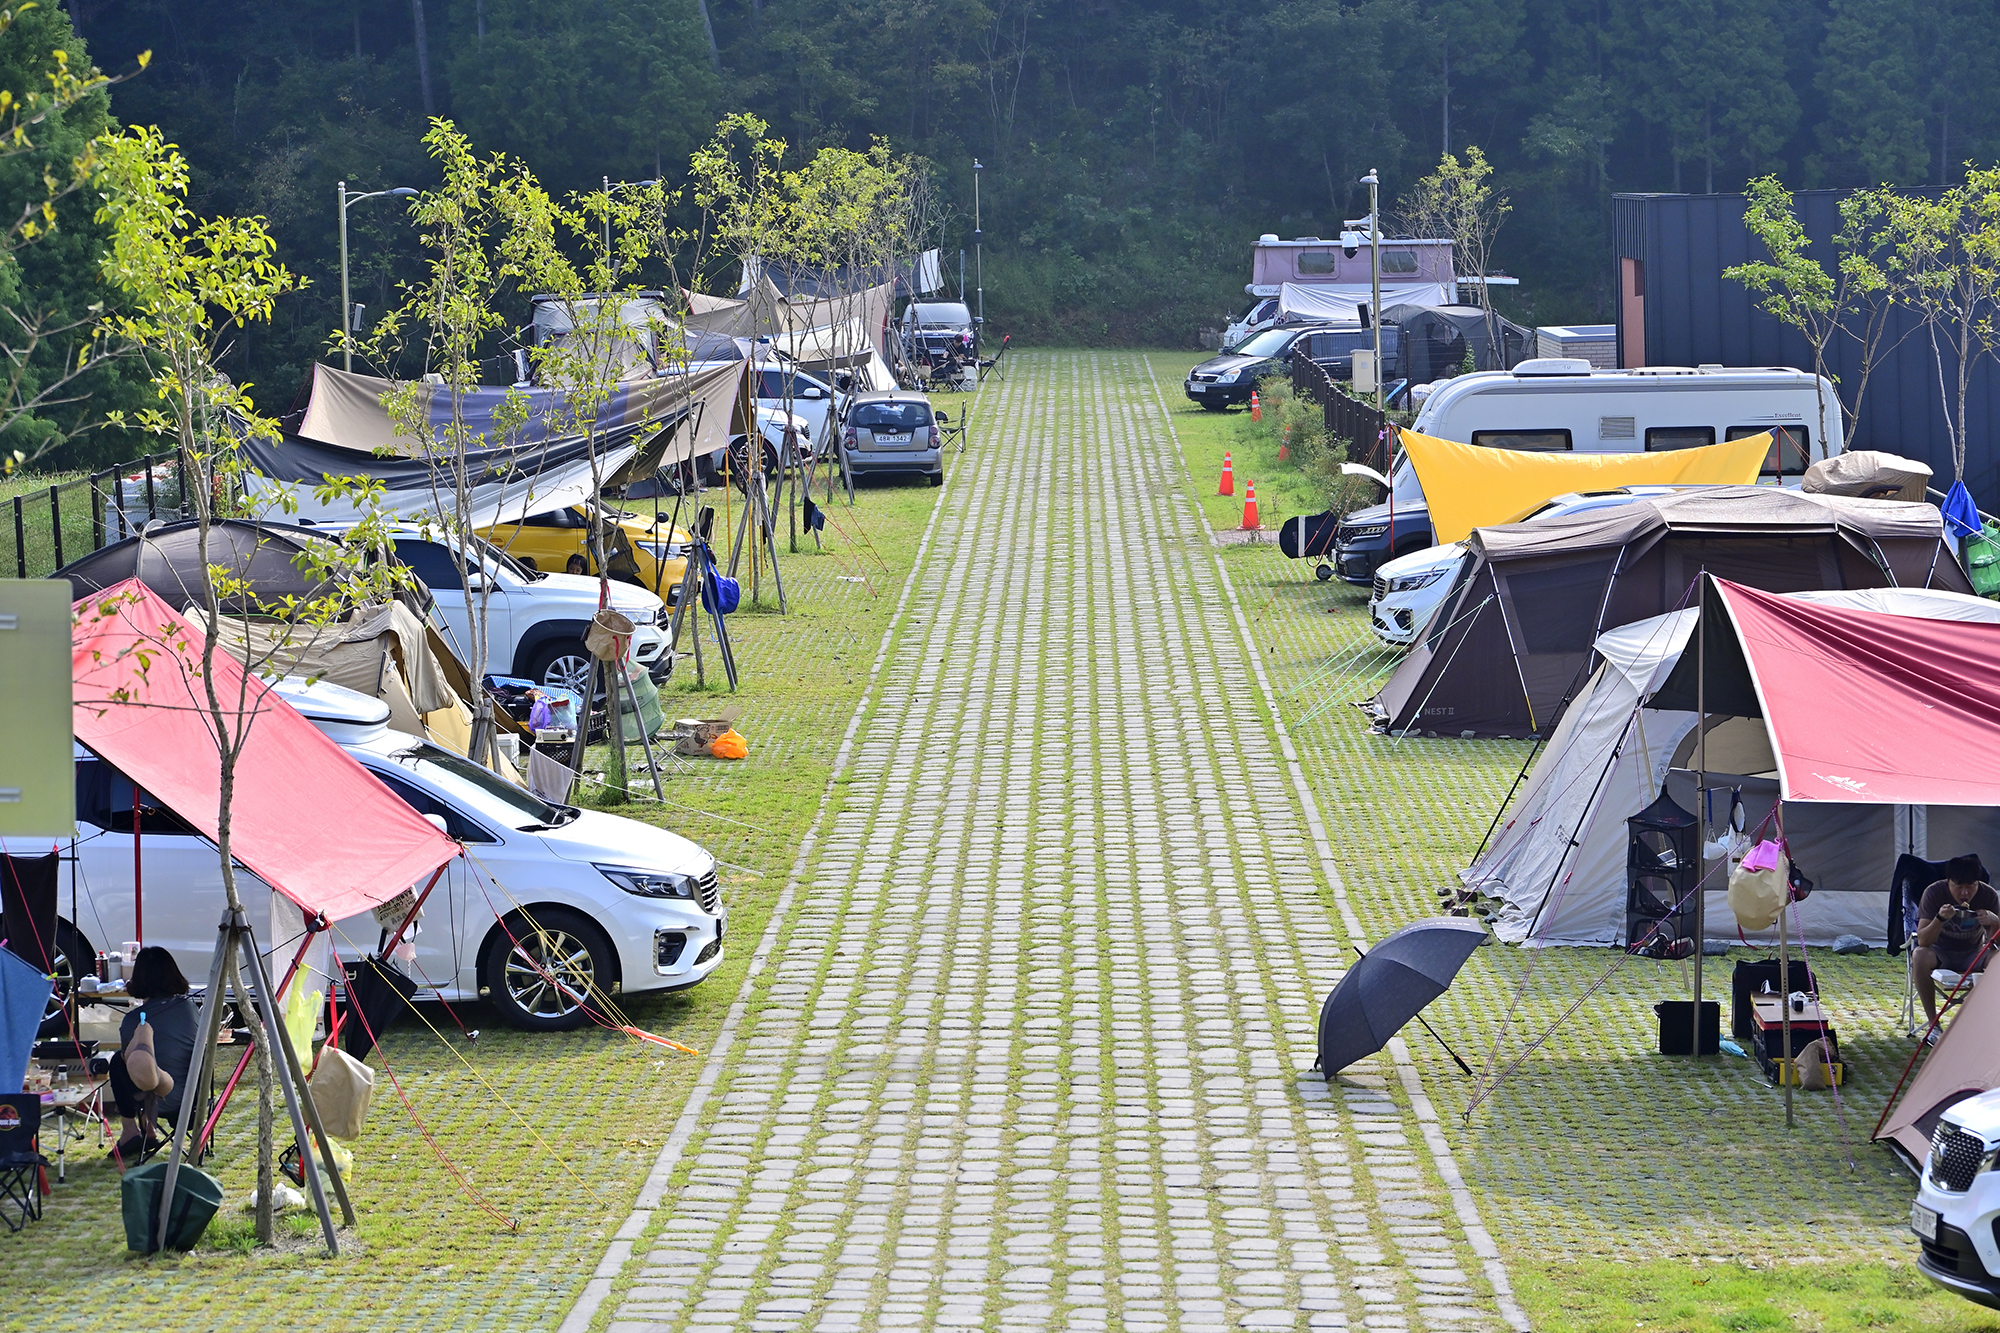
column 549, row 777
column 1960, row 514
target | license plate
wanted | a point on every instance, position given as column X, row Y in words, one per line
column 891, row 440
column 1923, row 1221
column 1197, row 388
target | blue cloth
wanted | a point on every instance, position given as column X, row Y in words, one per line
column 24, row 998
column 1960, row 514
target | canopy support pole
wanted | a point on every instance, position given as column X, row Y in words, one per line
column 1700, row 804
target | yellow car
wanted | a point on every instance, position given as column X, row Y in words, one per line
column 647, row 554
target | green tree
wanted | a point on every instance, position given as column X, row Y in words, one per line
column 1712, row 82
column 1873, row 129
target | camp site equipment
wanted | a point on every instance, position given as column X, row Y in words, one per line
column 197, row 1196
column 1389, row 985
column 1514, row 637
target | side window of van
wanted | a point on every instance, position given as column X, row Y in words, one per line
column 1791, row 448
column 1535, row 441
column 1678, row 437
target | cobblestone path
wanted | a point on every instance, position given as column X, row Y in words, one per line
column 1028, row 1045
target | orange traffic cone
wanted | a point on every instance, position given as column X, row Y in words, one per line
column 1228, row 486
column 1285, row 445
column 1256, row 408
column 1250, row 523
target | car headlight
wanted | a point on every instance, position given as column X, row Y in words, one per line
column 639, row 615
column 660, row 550
column 1412, row 582
column 648, row 883
column 1362, row 534
column 1227, row 377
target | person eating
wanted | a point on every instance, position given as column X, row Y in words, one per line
column 1955, row 918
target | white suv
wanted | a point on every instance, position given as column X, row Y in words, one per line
column 535, row 620
column 1958, row 1201
column 1409, row 589
column 614, row 903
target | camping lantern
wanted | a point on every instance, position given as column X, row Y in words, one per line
column 1662, row 868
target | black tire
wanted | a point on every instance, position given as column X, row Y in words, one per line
column 73, row 951
column 937, row 478
column 568, row 947
column 1210, row 405
column 1323, row 573
column 562, row 662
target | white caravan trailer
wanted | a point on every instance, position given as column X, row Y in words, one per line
column 1563, row 405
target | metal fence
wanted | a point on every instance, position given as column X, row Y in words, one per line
column 1360, row 427
column 66, row 520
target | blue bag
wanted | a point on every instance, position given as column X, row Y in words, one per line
column 719, row 594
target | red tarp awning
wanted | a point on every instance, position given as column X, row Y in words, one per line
column 306, row 819
column 1866, row 708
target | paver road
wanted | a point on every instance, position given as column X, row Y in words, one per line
column 1030, row 1043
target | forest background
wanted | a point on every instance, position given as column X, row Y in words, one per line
column 1133, row 151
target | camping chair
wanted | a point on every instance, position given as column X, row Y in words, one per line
column 23, row 1169
column 995, row 365
column 1906, row 892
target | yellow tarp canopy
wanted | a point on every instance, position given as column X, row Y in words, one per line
column 1470, row 486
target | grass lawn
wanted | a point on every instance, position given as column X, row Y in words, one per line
column 1625, row 1189
column 552, row 1134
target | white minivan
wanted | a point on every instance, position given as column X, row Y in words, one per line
column 614, row 904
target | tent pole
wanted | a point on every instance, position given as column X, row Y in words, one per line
column 1785, row 1074
column 204, row 1050
column 1700, row 800
column 296, row 1079
column 274, row 1033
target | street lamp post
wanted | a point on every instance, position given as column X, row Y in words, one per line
column 1373, row 181
column 346, row 308
column 978, row 262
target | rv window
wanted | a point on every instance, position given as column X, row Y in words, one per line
column 1678, row 437
column 1399, row 261
column 1318, row 261
column 1535, row 441
column 1791, row 449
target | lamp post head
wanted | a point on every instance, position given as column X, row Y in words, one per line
column 1371, row 178
column 403, row 192
column 977, row 165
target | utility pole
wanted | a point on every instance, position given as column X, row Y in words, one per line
column 978, row 262
column 1373, row 181
column 347, row 329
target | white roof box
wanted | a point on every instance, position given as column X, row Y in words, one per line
column 345, row 716
column 1553, row 365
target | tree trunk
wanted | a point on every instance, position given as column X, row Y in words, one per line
column 708, row 30
column 423, row 56
column 1447, row 93
column 266, row 1179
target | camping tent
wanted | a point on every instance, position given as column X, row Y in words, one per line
column 1514, row 635
column 1964, row 1064
column 168, row 560
column 1435, row 337
column 1469, row 486
column 1557, row 863
column 306, row 819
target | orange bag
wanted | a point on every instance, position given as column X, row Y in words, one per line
column 729, row 745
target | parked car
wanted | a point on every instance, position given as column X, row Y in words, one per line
column 1261, row 315
column 535, row 620
column 893, row 432
column 1408, row 590
column 1335, row 349
column 596, row 900
column 930, row 328
column 1958, row 1201
column 546, row 541
column 811, row 400
column 1222, row 380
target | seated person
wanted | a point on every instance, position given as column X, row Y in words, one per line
column 1954, row 919
column 155, row 1039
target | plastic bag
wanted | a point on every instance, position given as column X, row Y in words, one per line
column 342, row 1088
column 1757, row 887
column 729, row 745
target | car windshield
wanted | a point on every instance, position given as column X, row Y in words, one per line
column 947, row 315
column 483, row 790
column 1407, row 490
column 1268, row 343
column 892, row 416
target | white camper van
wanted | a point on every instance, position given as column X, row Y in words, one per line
column 1562, row 404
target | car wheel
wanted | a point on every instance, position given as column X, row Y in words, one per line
column 568, row 962
column 566, row 664
column 1323, row 573
column 1210, row 405
column 937, row 478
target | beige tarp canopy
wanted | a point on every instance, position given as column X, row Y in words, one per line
column 346, row 409
column 764, row 311
column 1963, row 1064
column 384, row 652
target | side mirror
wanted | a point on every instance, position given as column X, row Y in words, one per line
column 944, row 416
column 438, row 822
column 813, row 392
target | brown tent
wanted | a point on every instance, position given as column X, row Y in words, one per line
column 1515, row 633
column 1964, row 1063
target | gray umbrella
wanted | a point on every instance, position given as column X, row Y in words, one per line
column 1388, row 985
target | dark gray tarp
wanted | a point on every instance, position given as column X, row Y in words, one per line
column 1435, row 338
column 168, row 560
column 1515, row 635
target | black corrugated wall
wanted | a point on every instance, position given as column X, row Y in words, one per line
column 1695, row 316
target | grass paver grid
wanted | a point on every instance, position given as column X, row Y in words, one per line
column 1030, row 1053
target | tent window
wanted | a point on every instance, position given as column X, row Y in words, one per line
column 1659, row 438
column 432, row 563
column 1534, row 441
column 1791, row 448
column 1399, row 261
column 1319, row 262
column 1557, row 608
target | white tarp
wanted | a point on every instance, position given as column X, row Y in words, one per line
column 1557, row 863
column 1340, row 303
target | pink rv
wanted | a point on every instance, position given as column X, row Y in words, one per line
column 1417, row 271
